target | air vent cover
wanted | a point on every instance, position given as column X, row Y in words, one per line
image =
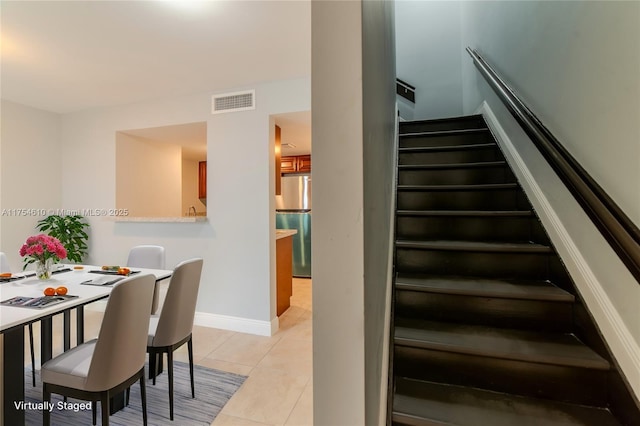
column 232, row 102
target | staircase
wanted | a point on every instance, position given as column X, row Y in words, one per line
column 484, row 328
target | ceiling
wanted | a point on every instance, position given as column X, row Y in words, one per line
column 66, row 56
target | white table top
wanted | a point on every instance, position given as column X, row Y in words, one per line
column 11, row 316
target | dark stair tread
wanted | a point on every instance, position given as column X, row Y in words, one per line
column 529, row 346
column 447, row 148
column 428, row 133
column 424, row 403
column 466, row 187
column 466, row 213
column 448, row 122
column 482, row 164
column 476, row 246
column 505, row 289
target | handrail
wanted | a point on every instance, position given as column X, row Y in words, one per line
column 616, row 227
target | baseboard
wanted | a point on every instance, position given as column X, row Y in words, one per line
column 619, row 339
column 204, row 319
column 242, row 325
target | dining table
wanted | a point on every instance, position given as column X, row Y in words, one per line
column 22, row 303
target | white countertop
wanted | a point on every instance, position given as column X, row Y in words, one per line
column 177, row 219
column 284, row 233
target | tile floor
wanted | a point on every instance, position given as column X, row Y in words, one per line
column 279, row 387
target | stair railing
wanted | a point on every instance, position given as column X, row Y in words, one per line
column 616, row 227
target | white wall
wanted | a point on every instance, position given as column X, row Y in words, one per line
column 337, row 222
column 237, row 243
column 576, row 64
column 190, row 173
column 428, row 57
column 148, row 177
column 30, row 173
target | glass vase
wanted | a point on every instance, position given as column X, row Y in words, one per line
column 43, row 269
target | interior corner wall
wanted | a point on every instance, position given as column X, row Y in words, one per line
column 29, row 137
column 379, row 160
column 148, row 177
column 337, row 221
column 576, row 64
column 428, row 39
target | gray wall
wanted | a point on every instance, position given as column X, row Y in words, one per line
column 428, row 57
column 379, row 146
column 353, row 131
column 577, row 65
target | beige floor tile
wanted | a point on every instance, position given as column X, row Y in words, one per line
column 267, row 396
column 302, row 413
column 231, row 367
column 292, row 313
column 205, row 341
column 244, row 349
column 300, row 329
column 289, row 354
column 224, row 420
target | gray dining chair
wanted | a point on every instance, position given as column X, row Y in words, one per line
column 4, row 267
column 151, row 257
column 172, row 328
column 4, row 263
column 98, row 369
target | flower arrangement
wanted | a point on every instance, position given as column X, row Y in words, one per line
column 43, row 250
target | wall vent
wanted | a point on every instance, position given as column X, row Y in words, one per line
column 232, row 102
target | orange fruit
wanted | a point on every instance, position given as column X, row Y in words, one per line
column 61, row 291
column 49, row 291
column 5, row 275
column 123, row 271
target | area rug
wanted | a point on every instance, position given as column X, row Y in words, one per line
column 213, row 389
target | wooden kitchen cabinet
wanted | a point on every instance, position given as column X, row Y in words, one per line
column 278, row 155
column 284, row 273
column 295, row 164
column 202, row 179
column 288, row 165
column 303, row 163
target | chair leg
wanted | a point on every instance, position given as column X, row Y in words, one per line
column 170, row 371
column 127, row 394
column 94, row 405
column 190, row 349
column 143, row 397
column 33, row 357
column 104, row 405
column 153, row 357
column 46, row 398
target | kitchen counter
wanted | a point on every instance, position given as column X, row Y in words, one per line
column 284, row 269
column 177, row 219
column 283, row 233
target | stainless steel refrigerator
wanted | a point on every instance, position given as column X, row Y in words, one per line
column 293, row 211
